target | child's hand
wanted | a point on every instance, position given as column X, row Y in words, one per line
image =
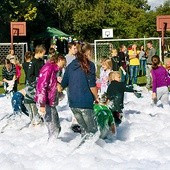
column 153, row 96
column 42, row 111
column 59, row 88
column 59, row 79
column 124, row 72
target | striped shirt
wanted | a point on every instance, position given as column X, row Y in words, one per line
column 8, row 74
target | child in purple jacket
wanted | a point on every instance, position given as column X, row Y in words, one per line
column 46, row 93
column 160, row 81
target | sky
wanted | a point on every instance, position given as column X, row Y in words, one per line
column 142, row 141
column 155, row 3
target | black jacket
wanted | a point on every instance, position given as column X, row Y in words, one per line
column 115, row 94
column 33, row 69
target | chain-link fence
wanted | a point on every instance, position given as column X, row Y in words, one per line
column 104, row 47
column 19, row 48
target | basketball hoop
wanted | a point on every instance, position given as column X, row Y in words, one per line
column 17, row 29
column 163, row 25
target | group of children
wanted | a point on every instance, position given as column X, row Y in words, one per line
column 111, row 84
column 39, row 98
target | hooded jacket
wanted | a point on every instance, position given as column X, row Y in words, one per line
column 79, row 84
column 46, row 88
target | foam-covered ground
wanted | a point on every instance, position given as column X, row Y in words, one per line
column 142, row 141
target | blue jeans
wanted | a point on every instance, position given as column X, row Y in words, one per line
column 133, row 74
column 124, row 78
column 18, row 103
column 143, row 67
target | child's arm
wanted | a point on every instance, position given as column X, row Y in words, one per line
column 64, row 82
column 113, row 128
column 124, row 72
column 1, row 83
column 95, row 94
column 31, row 73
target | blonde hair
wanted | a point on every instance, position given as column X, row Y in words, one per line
column 39, row 49
column 108, row 63
column 114, row 52
column 113, row 74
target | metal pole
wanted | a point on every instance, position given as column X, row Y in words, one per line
column 12, row 47
column 95, row 53
column 163, row 44
column 144, row 43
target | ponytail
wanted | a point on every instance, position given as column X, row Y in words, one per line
column 155, row 61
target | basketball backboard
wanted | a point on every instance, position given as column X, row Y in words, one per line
column 107, row 33
column 163, row 21
column 18, row 28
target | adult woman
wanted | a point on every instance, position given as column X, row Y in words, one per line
column 80, row 78
column 134, row 64
column 142, row 58
column 9, row 76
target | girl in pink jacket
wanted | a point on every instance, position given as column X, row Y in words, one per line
column 46, row 93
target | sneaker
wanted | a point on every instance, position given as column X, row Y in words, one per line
column 76, row 128
column 36, row 120
column 118, row 118
column 148, row 86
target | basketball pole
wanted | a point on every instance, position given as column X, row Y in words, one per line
column 163, row 39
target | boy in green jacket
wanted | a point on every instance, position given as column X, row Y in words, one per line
column 104, row 117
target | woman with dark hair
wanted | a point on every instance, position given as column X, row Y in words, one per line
column 9, row 76
column 160, row 81
column 80, row 78
column 46, row 93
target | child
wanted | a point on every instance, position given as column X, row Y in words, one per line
column 160, row 81
column 25, row 65
column 104, row 117
column 142, row 59
column 98, row 83
column 107, row 66
column 115, row 94
column 123, row 64
column 11, row 56
column 134, row 64
column 18, row 71
column 33, row 71
column 18, row 103
column 168, row 67
column 46, row 93
column 115, row 60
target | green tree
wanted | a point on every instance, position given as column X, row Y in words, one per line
column 125, row 19
column 164, row 9
column 17, row 10
column 142, row 4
